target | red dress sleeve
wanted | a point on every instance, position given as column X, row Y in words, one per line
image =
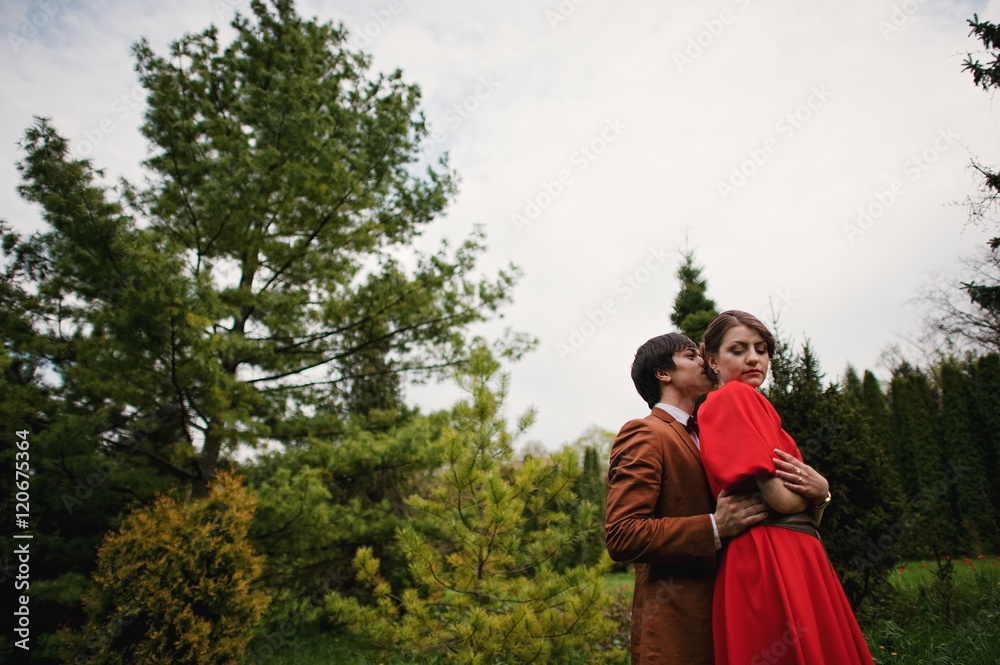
column 739, row 430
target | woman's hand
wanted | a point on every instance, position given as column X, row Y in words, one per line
column 800, row 477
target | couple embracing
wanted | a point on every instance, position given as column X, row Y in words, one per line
column 721, row 516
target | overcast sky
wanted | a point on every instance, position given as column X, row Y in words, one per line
column 811, row 154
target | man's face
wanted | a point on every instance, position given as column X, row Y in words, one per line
column 688, row 374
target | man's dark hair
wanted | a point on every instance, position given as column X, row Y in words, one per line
column 655, row 355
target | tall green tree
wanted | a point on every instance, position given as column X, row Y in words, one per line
column 269, row 268
column 964, row 448
column 874, row 406
column 266, row 282
column 693, row 310
column 986, row 414
column 928, row 480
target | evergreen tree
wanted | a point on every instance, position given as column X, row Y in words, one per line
column 986, row 410
column 853, row 384
column 592, row 488
column 261, row 286
column 862, row 532
column 693, row 310
column 928, row 482
column 320, row 501
column 874, row 406
column 963, row 448
column 254, row 278
column 593, row 447
column 867, row 405
column 481, row 552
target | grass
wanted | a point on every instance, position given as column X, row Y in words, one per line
column 321, row 648
column 928, row 616
column 615, row 581
column 948, row 615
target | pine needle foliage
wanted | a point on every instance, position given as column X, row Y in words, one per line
column 483, row 550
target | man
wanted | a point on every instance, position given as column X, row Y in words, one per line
column 661, row 515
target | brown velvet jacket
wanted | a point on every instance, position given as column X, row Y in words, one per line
column 658, row 510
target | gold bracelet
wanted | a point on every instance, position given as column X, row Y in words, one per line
column 826, row 502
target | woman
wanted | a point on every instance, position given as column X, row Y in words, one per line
column 777, row 597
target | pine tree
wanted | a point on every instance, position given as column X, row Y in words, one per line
column 260, row 287
column 320, row 501
column 482, row 549
column 693, row 310
column 262, row 273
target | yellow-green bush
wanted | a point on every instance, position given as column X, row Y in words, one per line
column 175, row 584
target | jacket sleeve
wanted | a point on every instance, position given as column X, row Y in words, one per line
column 636, row 479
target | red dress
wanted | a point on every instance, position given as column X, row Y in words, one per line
column 777, row 597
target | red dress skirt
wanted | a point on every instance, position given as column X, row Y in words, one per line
column 777, row 597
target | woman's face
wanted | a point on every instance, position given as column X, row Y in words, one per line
column 742, row 357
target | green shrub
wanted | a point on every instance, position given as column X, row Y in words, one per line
column 175, row 584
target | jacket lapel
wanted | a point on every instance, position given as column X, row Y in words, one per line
column 679, row 430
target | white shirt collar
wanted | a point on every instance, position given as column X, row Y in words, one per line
column 679, row 414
